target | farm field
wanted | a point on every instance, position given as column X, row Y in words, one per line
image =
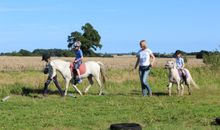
column 13, row 63
column 23, row 80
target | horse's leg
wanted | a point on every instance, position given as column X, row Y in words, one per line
column 189, row 87
column 169, row 88
column 67, row 85
column 74, row 86
column 182, row 89
column 100, row 85
column 90, row 84
column 178, row 88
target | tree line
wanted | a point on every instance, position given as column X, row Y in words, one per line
column 40, row 52
column 70, row 53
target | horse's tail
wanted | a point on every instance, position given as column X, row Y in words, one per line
column 194, row 83
column 102, row 70
column 191, row 79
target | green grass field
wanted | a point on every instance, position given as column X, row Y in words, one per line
column 123, row 102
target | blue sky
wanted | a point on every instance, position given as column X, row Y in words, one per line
column 167, row 25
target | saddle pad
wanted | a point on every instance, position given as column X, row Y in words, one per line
column 82, row 69
column 181, row 74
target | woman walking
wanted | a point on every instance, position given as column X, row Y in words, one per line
column 144, row 61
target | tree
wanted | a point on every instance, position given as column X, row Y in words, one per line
column 201, row 54
column 90, row 39
column 24, row 52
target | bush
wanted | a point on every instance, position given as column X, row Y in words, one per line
column 212, row 59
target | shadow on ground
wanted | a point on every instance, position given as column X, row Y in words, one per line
column 160, row 94
column 32, row 92
column 138, row 92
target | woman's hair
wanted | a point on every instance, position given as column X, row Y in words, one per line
column 143, row 43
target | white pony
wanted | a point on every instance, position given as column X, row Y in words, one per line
column 175, row 78
column 93, row 69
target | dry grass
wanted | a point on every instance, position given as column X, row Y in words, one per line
column 9, row 63
column 13, row 63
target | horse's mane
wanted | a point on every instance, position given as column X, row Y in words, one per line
column 55, row 60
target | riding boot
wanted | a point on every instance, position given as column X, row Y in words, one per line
column 78, row 79
column 74, row 80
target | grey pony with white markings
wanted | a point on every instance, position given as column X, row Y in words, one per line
column 93, row 69
column 174, row 78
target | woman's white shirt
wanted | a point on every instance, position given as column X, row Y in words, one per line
column 144, row 57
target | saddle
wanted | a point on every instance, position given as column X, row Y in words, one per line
column 82, row 69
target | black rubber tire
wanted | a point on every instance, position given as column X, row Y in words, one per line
column 125, row 126
column 217, row 120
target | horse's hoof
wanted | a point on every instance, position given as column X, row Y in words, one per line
column 71, row 95
column 125, row 126
column 217, row 120
column 84, row 93
column 102, row 94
